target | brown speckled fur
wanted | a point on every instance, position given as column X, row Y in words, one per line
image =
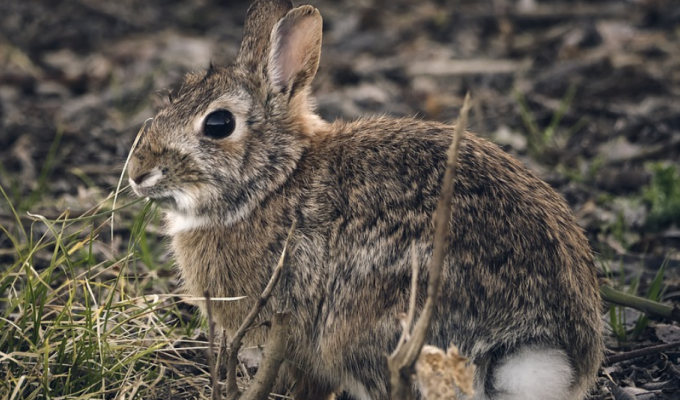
column 519, row 270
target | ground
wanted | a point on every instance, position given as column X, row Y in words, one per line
column 586, row 93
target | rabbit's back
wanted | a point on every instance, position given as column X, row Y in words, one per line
column 519, row 270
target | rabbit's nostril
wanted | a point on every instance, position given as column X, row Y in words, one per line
column 139, row 179
column 146, row 179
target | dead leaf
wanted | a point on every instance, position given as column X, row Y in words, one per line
column 667, row 333
column 443, row 375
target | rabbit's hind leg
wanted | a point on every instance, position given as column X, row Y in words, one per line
column 533, row 373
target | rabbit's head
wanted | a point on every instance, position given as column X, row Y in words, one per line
column 234, row 134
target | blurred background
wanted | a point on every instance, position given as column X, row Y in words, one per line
column 586, row 93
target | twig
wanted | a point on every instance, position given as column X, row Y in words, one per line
column 222, row 356
column 233, row 392
column 629, row 355
column 413, row 296
column 216, row 392
column 612, row 295
column 275, row 350
column 402, row 360
column 141, row 131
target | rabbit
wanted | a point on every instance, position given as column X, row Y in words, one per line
column 239, row 154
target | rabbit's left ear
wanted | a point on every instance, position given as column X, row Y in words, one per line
column 295, row 50
column 261, row 18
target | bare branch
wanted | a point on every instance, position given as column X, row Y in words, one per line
column 647, row 306
column 275, row 350
column 222, row 356
column 236, row 342
column 413, row 297
column 613, row 359
column 402, row 360
column 216, row 392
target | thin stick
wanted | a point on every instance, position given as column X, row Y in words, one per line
column 612, row 295
column 275, row 350
column 402, row 360
column 236, row 343
column 629, row 355
column 413, row 296
column 216, row 392
column 122, row 174
column 222, row 355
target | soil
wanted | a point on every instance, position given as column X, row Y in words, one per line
column 598, row 83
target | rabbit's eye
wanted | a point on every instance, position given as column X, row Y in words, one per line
column 219, row 124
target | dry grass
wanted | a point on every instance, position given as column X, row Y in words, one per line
column 82, row 318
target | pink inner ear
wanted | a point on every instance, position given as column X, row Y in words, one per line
column 295, row 41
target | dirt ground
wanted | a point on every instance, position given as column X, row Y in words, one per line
column 586, row 93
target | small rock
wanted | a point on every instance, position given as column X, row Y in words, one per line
column 634, row 213
column 667, row 333
column 620, row 150
column 504, row 136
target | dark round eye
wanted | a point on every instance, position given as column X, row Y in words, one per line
column 219, row 124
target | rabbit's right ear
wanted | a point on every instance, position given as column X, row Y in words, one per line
column 261, row 18
column 295, row 50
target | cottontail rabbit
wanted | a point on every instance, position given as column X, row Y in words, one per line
column 239, row 154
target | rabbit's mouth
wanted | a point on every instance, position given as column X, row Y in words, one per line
column 162, row 198
column 177, row 200
column 168, row 202
column 152, row 193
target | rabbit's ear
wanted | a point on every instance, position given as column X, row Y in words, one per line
column 295, row 50
column 261, row 18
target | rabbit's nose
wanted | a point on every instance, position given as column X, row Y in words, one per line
column 146, row 178
column 140, row 178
